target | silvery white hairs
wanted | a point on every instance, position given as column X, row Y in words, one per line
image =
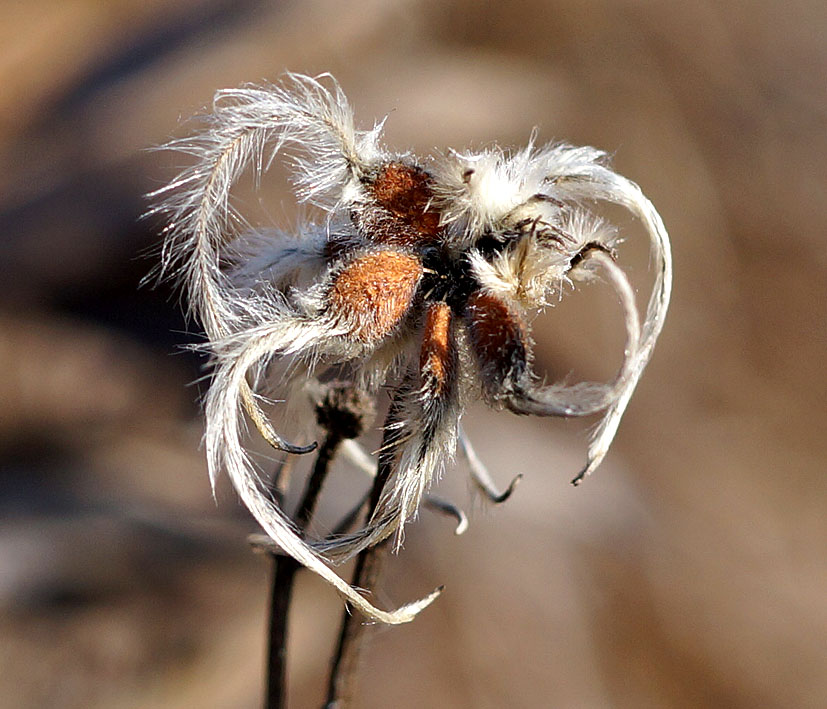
column 420, row 275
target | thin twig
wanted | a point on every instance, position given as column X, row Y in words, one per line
column 369, row 564
column 281, row 586
column 284, row 570
column 343, row 412
column 344, row 672
column 327, row 451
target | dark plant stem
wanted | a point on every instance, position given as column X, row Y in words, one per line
column 281, row 588
column 343, row 412
column 369, row 564
column 284, row 571
column 314, row 483
column 344, row 671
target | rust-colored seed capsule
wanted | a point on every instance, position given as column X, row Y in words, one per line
column 405, row 191
column 373, row 293
column 499, row 338
column 437, row 356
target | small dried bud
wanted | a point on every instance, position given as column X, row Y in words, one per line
column 344, row 409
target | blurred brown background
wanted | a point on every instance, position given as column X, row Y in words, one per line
column 690, row 571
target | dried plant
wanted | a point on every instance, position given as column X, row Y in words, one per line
column 423, row 275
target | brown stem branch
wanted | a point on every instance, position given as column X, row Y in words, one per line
column 369, row 565
column 344, row 413
column 281, row 588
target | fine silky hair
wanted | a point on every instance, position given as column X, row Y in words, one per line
column 421, row 275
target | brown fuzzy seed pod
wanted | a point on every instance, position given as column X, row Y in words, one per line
column 404, row 192
column 374, row 292
column 437, row 356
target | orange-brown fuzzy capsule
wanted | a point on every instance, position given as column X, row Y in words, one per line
column 403, row 194
column 436, row 358
column 499, row 338
column 374, row 292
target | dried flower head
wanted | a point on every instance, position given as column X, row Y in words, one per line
column 419, row 274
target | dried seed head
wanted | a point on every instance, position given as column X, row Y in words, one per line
column 345, row 409
column 419, row 278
